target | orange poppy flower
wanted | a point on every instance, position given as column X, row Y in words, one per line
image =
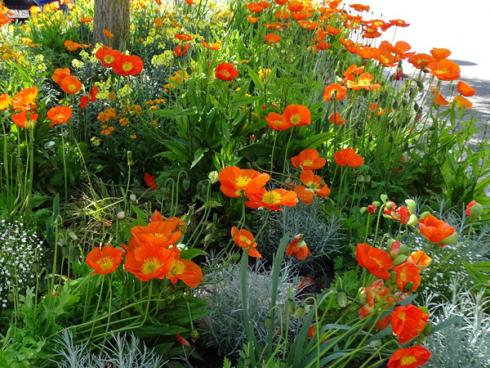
column 412, row 357
column 272, row 38
column 226, row 72
column 308, row 159
column 439, row 99
column 104, row 260
column 336, row 91
column 407, row 274
column 298, row 249
column 107, row 56
column 5, row 101
column 437, row 231
column 186, row 271
column 256, row 7
column 215, row 46
column 150, row 181
column 408, row 322
column 164, row 233
column 440, row 53
column 235, row 181
column 377, row 261
column 25, row 99
column 126, row 65
column 24, row 119
column 360, row 7
column 59, row 115
column 277, row 121
column 86, row 20
column 348, row 157
column 419, row 258
column 59, row 74
column 107, row 33
column 183, row 37
column 71, row 85
column 252, row 19
column 363, row 81
column 272, row 200
column 462, row 102
column 295, row 6
column 444, row 69
column 313, row 185
column 245, row 239
column 465, row 90
column 377, row 293
column 297, row 115
column 149, row 261
column 336, row 118
column 420, row 61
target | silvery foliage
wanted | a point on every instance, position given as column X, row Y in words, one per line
column 21, row 252
column 466, row 343
column 123, row 351
column 223, row 327
column 322, row 233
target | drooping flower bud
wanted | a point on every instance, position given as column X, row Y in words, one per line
column 474, row 210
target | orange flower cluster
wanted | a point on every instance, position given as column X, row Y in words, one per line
column 309, row 160
column 22, row 105
column 293, row 116
column 245, row 239
column 121, row 64
column 73, row 46
column 151, row 253
column 70, row 84
column 348, row 157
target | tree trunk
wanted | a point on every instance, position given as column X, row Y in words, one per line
column 112, row 15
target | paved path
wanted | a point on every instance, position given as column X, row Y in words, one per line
column 461, row 26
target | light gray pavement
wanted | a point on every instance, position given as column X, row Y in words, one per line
column 461, row 26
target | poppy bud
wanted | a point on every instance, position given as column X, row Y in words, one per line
column 413, row 220
column 182, row 340
column 383, row 197
column 120, row 215
column 299, row 313
column 412, row 205
column 390, row 205
column 363, row 210
column 451, row 239
column 291, row 306
column 362, row 295
column 376, row 203
column 213, row 177
column 341, row 299
column 194, row 335
column 130, row 158
column 372, row 209
column 399, row 260
column 186, row 183
column 474, row 210
column 132, row 197
column 394, row 247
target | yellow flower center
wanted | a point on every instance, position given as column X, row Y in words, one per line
column 295, row 119
column 244, row 239
column 127, row 67
column 307, row 163
column 150, row 265
column 105, row 263
column 272, row 198
column 178, row 268
column 242, row 181
column 407, row 360
column 109, row 59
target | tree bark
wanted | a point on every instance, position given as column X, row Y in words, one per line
column 112, row 15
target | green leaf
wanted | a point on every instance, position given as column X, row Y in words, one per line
column 192, row 253
column 198, row 155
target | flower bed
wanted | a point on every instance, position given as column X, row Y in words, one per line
column 251, row 184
